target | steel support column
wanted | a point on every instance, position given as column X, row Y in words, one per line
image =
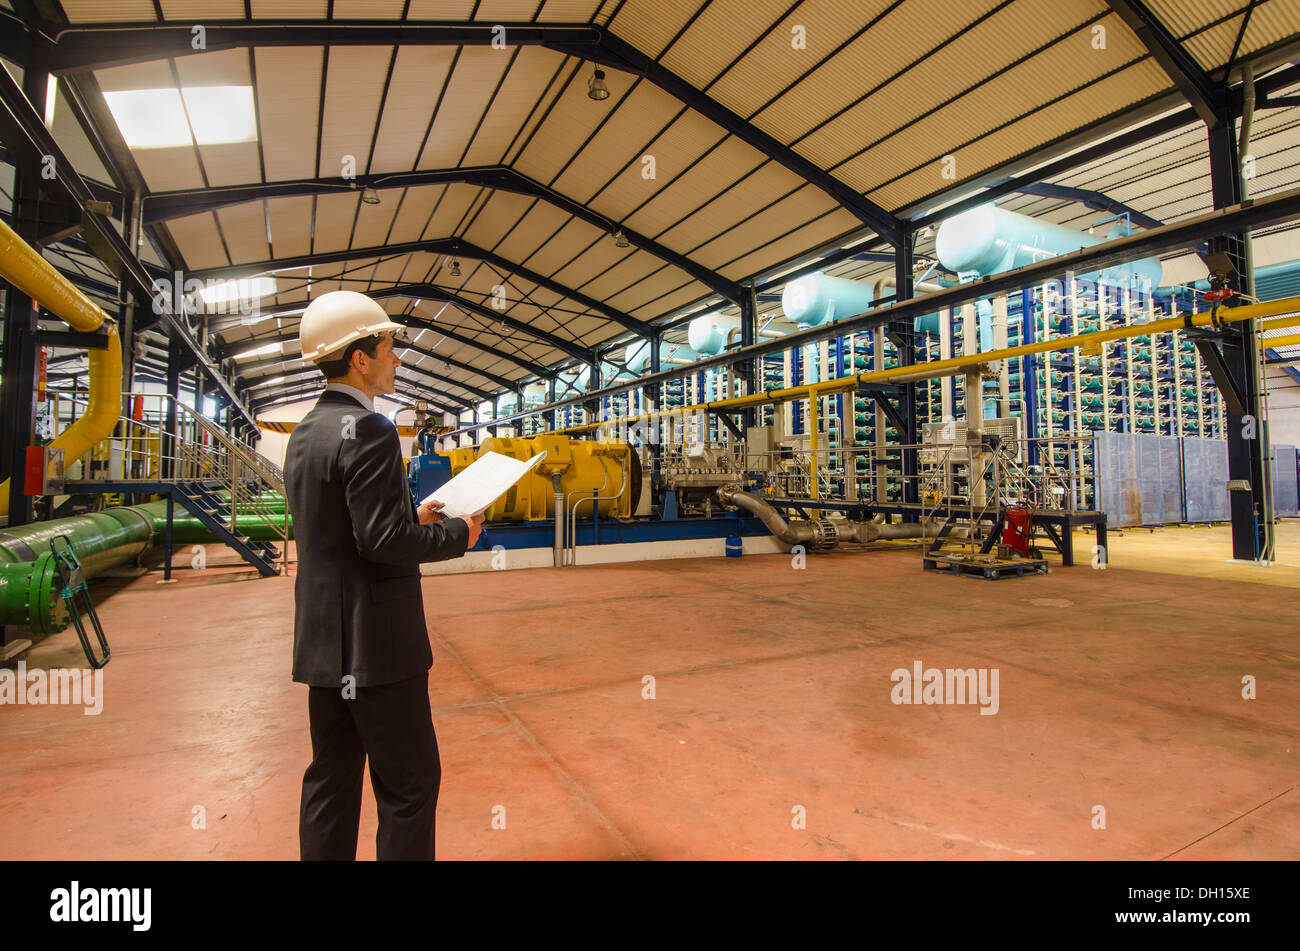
column 908, row 433
column 19, row 367
column 1247, row 435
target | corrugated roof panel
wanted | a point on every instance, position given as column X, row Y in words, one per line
column 724, row 165
column 414, row 213
column 1212, row 47
column 644, row 292
column 767, row 225
column 810, row 235
column 290, row 9
column 168, row 169
column 501, row 213
column 718, row 36
column 505, row 11
column 573, row 119
column 109, row 11
column 418, row 74
column 201, row 11
column 549, row 92
column 774, row 63
column 977, row 53
column 556, row 252
column 667, row 301
column 568, row 11
column 689, row 137
column 290, row 225
column 1271, row 23
column 737, row 204
column 531, row 71
column 904, row 34
column 152, row 75
column 537, row 226
column 598, row 258
column 626, row 272
column 244, row 228
column 334, row 215
column 417, row 267
column 1183, row 16
column 354, row 85
column 645, row 111
column 1037, row 80
column 389, row 272
column 288, row 103
column 473, row 80
column 440, row 9
column 1112, row 94
column 233, row 164
column 373, row 221
column 368, row 9
column 198, row 240
column 649, row 26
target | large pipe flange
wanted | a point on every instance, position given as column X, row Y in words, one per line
column 824, row 534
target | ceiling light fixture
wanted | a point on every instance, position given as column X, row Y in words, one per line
column 369, row 196
column 596, row 88
column 455, row 269
column 620, row 239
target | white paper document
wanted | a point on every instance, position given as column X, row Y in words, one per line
column 481, row 483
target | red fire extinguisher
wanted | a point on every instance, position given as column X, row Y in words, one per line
column 1019, row 528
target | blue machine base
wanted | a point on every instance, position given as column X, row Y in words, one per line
column 541, row 534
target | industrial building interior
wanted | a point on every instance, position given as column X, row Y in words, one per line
column 871, row 347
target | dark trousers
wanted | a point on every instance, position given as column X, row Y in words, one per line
column 391, row 724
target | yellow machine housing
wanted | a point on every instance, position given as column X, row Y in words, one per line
column 584, row 466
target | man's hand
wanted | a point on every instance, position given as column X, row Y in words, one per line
column 428, row 513
column 475, row 523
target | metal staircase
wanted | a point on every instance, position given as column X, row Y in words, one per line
column 233, row 490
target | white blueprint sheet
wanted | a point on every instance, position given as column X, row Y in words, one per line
column 481, row 483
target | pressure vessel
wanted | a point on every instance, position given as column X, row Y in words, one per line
column 988, row 240
column 816, row 299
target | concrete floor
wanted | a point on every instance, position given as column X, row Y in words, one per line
column 1118, row 688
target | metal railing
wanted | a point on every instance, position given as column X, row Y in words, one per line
column 195, row 450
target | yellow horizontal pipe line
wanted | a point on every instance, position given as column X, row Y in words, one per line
column 1277, row 323
column 1287, row 340
column 940, row 368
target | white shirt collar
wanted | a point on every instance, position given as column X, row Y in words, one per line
column 353, row 392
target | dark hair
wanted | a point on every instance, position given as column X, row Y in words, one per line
column 333, row 369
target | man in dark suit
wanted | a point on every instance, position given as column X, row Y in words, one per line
column 360, row 640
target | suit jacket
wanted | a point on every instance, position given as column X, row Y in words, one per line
column 358, row 606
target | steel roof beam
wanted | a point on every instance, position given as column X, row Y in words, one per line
column 163, row 206
column 97, row 46
column 1207, row 99
column 306, row 371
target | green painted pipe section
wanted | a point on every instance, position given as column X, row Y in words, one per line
column 29, row 592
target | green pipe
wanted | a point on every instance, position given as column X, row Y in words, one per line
column 29, row 592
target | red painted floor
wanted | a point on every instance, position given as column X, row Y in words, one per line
column 1117, row 688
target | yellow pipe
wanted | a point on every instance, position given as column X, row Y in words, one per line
column 26, row 270
column 941, row 368
column 1290, row 340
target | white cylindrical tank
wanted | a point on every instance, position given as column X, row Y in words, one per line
column 989, row 240
column 816, row 299
column 637, row 355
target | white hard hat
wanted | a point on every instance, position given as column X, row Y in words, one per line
column 334, row 320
